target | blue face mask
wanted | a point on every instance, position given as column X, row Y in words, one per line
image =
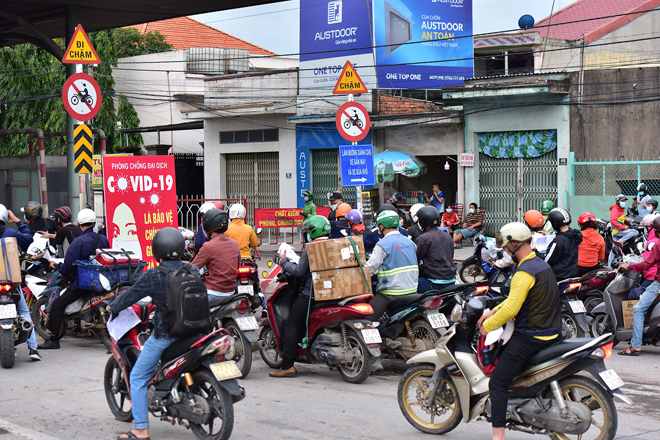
column 448, row 209
column 471, row 210
column 640, row 193
column 306, row 199
column 309, row 239
column 400, row 224
column 622, row 204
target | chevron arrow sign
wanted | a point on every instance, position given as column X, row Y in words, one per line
column 82, row 149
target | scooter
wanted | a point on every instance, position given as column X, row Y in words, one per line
column 479, row 266
column 449, row 384
column 14, row 329
column 608, row 316
column 573, row 312
column 339, row 333
column 194, row 384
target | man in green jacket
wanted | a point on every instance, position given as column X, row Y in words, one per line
column 309, row 210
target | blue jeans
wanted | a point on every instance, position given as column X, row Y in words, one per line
column 54, row 280
column 640, row 310
column 466, row 232
column 142, row 371
column 24, row 312
column 424, row 285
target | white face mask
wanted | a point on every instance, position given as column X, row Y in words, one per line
column 132, row 245
column 333, row 207
column 471, row 210
column 448, row 209
column 622, row 204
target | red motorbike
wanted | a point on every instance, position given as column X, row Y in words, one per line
column 194, row 384
column 339, row 334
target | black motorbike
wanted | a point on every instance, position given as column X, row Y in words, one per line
column 14, row 329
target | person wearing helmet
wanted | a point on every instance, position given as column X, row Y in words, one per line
column 335, row 199
column 638, row 204
column 450, row 219
column 309, row 210
column 355, row 220
column 220, row 254
column 317, row 229
column 471, row 226
column 562, row 254
column 82, row 248
column 534, row 304
column 546, row 207
column 372, row 238
column 243, row 234
column 168, row 247
column 592, row 249
column 621, row 232
column 535, row 221
column 648, row 274
column 33, row 212
column 647, row 298
column 414, row 230
column 435, row 251
column 652, row 206
column 66, row 231
column 200, row 237
column 23, row 236
column 340, row 227
column 394, row 260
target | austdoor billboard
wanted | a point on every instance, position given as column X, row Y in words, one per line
column 422, row 43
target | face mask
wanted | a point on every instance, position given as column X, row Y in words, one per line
column 400, row 224
column 333, row 207
column 448, row 209
column 309, row 239
column 307, row 199
column 622, row 204
column 640, row 193
column 471, row 211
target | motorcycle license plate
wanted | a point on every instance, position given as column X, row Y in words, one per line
column 8, row 311
column 225, row 370
column 371, row 336
column 577, row 306
column 438, row 320
column 247, row 323
column 611, row 379
column 246, row 289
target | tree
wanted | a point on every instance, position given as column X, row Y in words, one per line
column 31, row 83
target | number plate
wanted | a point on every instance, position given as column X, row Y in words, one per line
column 247, row 323
column 371, row 336
column 246, row 289
column 577, row 306
column 8, row 311
column 438, row 320
column 225, row 370
column 612, row 379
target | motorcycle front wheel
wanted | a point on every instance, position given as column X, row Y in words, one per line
column 443, row 415
column 270, row 353
column 602, row 324
column 243, row 356
column 359, row 369
column 7, row 354
column 116, row 391
column 604, row 420
column 471, row 271
column 221, row 419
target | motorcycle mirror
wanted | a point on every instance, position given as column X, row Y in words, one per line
column 105, row 283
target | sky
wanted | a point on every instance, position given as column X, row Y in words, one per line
column 275, row 26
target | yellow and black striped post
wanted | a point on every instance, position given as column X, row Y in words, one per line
column 82, row 149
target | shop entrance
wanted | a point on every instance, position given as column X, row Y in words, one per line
column 412, row 188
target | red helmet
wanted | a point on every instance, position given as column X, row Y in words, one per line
column 586, row 217
column 219, row 205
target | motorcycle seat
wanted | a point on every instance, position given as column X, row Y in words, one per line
column 341, row 301
column 557, row 349
column 179, row 347
column 221, row 300
column 405, row 300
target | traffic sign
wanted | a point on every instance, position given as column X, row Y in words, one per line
column 357, row 165
column 82, row 149
column 80, row 49
column 82, row 97
column 349, row 82
column 353, row 121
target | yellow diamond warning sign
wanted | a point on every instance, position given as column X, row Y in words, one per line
column 349, row 82
column 80, row 50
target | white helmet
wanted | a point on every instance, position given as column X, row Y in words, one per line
column 515, row 232
column 413, row 211
column 4, row 214
column 646, row 221
column 206, row 207
column 237, row 211
column 86, row 216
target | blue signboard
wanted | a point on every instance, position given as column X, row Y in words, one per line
column 423, row 43
column 357, row 165
column 334, row 28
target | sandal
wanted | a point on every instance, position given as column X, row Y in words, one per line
column 131, row 436
column 630, row 351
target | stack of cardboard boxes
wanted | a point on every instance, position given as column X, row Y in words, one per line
column 336, row 271
column 10, row 265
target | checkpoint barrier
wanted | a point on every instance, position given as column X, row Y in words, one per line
column 283, row 218
column 188, row 209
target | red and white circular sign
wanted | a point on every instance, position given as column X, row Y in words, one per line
column 353, row 121
column 82, row 96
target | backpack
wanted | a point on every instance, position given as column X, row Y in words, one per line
column 186, row 302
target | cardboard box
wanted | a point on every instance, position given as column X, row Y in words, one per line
column 335, row 253
column 627, row 310
column 340, row 283
column 9, row 261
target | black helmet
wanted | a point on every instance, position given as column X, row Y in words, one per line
column 559, row 217
column 641, row 187
column 215, row 220
column 385, row 207
column 32, row 210
column 428, row 216
column 168, row 244
column 653, row 202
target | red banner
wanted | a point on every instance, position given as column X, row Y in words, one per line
column 283, row 217
column 140, row 199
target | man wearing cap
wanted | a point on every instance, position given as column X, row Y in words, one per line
column 335, row 200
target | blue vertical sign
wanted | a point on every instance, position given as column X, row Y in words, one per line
column 357, row 165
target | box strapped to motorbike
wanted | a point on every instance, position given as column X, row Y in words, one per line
column 108, row 270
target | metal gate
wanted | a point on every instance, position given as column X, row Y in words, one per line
column 325, row 176
column 510, row 187
column 254, row 177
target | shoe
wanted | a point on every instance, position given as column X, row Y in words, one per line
column 34, row 355
column 284, row 373
column 392, row 344
column 49, row 345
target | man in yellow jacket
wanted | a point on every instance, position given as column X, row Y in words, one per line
column 243, row 234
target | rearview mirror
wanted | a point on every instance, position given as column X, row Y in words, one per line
column 258, row 231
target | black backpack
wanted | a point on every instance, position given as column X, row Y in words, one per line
column 186, row 302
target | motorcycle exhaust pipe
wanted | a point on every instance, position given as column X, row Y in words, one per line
column 26, row 326
column 258, row 345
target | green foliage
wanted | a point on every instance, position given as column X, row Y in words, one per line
column 31, row 83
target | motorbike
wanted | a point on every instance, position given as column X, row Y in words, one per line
column 195, row 383
column 573, row 312
column 480, row 266
column 14, row 329
column 608, row 316
column 339, row 334
column 633, row 246
column 448, row 385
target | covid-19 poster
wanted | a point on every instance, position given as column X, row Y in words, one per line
column 140, row 199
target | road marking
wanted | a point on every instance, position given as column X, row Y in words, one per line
column 24, row 432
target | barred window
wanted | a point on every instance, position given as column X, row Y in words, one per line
column 234, row 137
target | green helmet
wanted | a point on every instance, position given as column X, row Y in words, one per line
column 308, row 193
column 318, row 226
column 389, row 219
column 546, row 207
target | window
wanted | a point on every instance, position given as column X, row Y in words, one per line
column 234, row 137
column 240, row 136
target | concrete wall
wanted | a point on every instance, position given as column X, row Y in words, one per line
column 425, row 140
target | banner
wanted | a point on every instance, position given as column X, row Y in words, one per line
column 277, row 218
column 140, row 199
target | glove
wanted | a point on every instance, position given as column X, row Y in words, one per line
column 504, row 262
